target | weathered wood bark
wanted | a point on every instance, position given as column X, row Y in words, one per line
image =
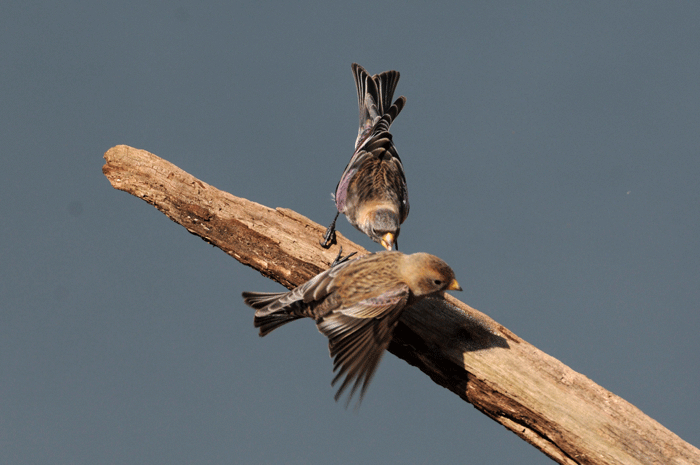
column 561, row 412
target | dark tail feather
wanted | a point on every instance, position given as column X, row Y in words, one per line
column 396, row 108
column 267, row 323
column 374, row 95
column 259, row 300
column 268, row 318
column 385, row 122
column 367, row 98
column 386, row 85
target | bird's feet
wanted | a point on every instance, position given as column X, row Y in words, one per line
column 329, row 238
column 340, row 259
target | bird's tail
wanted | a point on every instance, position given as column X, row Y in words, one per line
column 269, row 317
column 374, row 95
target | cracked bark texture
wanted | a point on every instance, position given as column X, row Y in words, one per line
column 567, row 416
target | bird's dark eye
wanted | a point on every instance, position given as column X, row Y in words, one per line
column 438, row 282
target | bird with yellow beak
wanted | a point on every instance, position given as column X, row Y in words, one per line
column 372, row 191
column 356, row 304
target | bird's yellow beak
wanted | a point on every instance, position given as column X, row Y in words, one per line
column 454, row 286
column 388, row 241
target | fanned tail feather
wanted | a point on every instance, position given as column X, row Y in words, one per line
column 267, row 316
column 374, row 95
column 386, row 85
column 385, row 121
column 268, row 323
column 260, row 300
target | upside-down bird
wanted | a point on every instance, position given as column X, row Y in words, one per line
column 372, row 191
column 356, row 304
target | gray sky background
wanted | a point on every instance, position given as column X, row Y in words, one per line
column 552, row 156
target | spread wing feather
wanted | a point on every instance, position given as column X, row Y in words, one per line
column 359, row 335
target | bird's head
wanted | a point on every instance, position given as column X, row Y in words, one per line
column 427, row 274
column 385, row 228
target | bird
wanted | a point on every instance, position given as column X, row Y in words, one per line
column 372, row 191
column 356, row 304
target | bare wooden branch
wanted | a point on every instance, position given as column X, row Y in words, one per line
column 561, row 412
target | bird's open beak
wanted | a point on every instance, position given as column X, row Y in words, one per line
column 454, row 286
column 388, row 241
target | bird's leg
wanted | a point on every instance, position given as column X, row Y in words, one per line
column 340, row 259
column 329, row 237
